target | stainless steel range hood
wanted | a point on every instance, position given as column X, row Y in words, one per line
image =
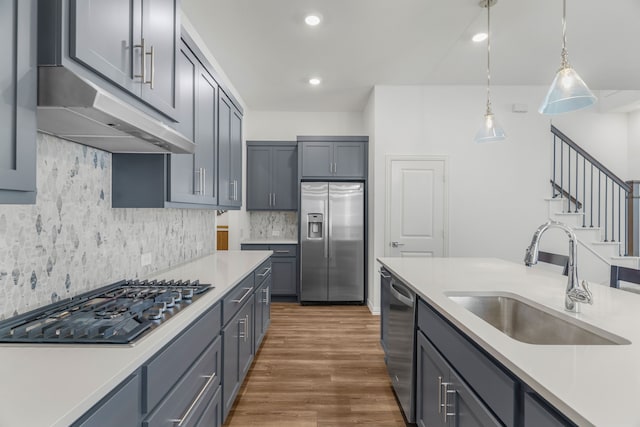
column 72, row 108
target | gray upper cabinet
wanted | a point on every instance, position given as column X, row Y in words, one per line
column 177, row 180
column 272, row 173
column 333, row 157
column 229, row 153
column 132, row 43
column 18, row 86
column 192, row 176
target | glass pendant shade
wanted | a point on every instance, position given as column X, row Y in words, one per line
column 491, row 131
column 568, row 92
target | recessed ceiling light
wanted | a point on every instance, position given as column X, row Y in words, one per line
column 314, row 81
column 480, row 37
column 312, row 20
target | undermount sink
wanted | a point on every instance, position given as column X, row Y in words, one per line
column 528, row 322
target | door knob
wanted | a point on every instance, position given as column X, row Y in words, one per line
column 396, row 244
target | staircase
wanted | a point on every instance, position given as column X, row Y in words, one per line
column 594, row 202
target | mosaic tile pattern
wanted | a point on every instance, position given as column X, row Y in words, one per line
column 72, row 241
column 262, row 224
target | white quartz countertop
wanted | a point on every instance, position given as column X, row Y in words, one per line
column 270, row 242
column 53, row 385
column 595, row 385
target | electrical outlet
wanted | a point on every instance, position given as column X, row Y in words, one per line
column 275, row 233
column 145, row 259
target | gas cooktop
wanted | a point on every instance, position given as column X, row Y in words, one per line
column 116, row 314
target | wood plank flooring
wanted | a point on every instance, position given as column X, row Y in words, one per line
column 319, row 366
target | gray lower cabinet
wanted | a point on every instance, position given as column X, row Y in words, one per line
column 539, row 414
column 262, row 303
column 457, row 384
column 229, row 153
column 272, row 175
column 443, row 398
column 333, row 157
column 119, row 408
column 131, row 43
column 18, row 84
column 238, row 353
column 284, row 268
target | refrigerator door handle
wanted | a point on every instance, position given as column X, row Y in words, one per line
column 327, row 233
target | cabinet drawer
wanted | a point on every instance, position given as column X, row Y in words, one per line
column 262, row 272
column 497, row 389
column 166, row 368
column 252, row 247
column 188, row 400
column 237, row 297
column 284, row 250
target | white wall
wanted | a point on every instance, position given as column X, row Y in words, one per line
column 633, row 172
column 287, row 125
column 496, row 190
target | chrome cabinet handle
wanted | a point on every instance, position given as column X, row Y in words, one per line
column 439, row 394
column 151, row 81
column 383, row 274
column 274, row 199
column 143, row 48
column 335, row 168
column 282, row 252
column 265, row 291
column 246, row 327
column 246, row 294
column 267, row 271
column 204, row 182
column 197, row 179
column 181, row 420
column 242, row 334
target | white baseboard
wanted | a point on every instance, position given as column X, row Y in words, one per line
column 374, row 310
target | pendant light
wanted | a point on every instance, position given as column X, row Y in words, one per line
column 568, row 92
column 490, row 131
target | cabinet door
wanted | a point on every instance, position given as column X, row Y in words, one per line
column 230, row 363
column 317, row 159
column 285, row 178
column 431, row 373
column 246, row 342
column 18, row 84
column 259, row 177
column 161, row 34
column 263, row 312
column 104, row 36
column 266, row 302
column 235, row 139
column 182, row 177
column 120, row 408
column 224, row 150
column 466, row 408
column 205, row 155
column 349, row 159
column 538, row 414
column 283, row 276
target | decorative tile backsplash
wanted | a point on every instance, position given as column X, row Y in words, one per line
column 263, row 224
column 72, row 241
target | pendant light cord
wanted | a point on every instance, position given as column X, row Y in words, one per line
column 489, row 57
column 565, row 56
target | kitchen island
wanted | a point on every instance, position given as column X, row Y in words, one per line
column 589, row 384
column 55, row 384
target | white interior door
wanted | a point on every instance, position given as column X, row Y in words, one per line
column 416, row 204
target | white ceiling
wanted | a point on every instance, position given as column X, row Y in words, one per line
column 269, row 53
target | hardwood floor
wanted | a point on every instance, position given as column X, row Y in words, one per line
column 319, row 366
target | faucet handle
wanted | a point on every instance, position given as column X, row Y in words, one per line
column 581, row 294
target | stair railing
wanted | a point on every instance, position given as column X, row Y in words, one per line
column 591, row 189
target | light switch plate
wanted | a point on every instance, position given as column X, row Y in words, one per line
column 275, row 233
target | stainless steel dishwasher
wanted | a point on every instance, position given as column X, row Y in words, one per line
column 401, row 345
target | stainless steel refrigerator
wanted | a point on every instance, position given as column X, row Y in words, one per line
column 332, row 242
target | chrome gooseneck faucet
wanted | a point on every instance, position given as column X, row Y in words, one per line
column 576, row 292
